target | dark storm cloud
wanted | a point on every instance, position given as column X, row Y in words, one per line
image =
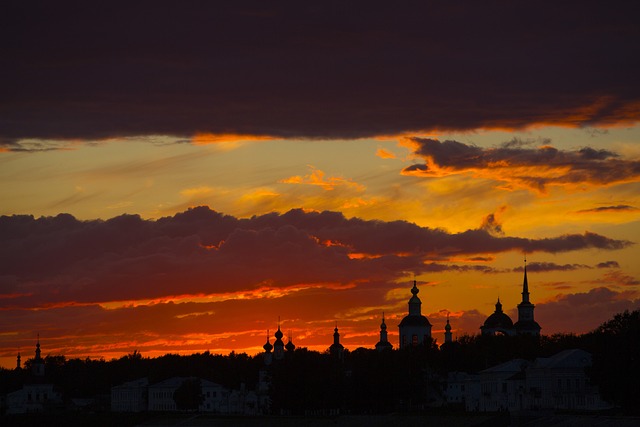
column 534, row 168
column 550, row 266
column 616, row 208
column 608, row 264
column 77, row 69
column 53, row 260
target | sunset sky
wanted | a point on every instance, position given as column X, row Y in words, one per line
column 175, row 176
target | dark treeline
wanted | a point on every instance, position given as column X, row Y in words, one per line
column 365, row 380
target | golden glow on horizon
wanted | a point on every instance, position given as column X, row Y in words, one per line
column 351, row 177
column 228, row 141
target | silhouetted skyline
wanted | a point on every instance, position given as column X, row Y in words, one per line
column 176, row 176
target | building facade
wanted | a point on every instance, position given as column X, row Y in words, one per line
column 130, row 396
column 558, row 382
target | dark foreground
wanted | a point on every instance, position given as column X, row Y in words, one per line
column 390, row 420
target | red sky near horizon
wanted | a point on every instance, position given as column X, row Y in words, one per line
column 175, row 178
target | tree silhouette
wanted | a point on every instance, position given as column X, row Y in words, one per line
column 616, row 360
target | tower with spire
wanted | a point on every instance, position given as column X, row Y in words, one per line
column 384, row 343
column 336, row 349
column 38, row 363
column 526, row 325
column 415, row 328
column 447, row 331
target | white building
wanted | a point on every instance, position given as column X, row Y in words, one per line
column 558, row 382
column 36, row 395
column 161, row 396
column 456, row 389
column 33, row 398
column 243, row 402
column 130, row 396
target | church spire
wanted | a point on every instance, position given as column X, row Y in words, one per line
column 38, row 348
column 526, row 324
column 38, row 363
column 447, row 331
column 384, row 342
column 525, row 284
column 336, row 348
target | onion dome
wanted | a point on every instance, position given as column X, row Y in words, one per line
column 268, row 347
column 290, row 346
column 279, row 336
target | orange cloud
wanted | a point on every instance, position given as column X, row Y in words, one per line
column 517, row 167
column 317, row 177
column 226, row 138
column 385, row 154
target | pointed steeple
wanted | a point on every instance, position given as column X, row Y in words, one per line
column 38, row 348
column 526, row 324
column 37, row 365
column 384, row 342
column 498, row 306
column 18, row 365
column 525, row 284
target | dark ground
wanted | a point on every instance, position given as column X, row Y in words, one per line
column 389, row 420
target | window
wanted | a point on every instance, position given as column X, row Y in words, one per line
column 414, row 340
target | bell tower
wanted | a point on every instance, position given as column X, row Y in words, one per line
column 526, row 325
